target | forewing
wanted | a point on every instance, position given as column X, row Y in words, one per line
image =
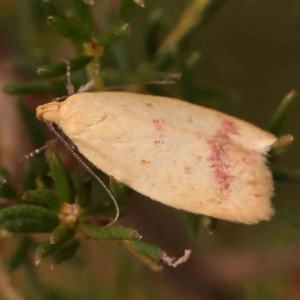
column 179, row 154
column 187, row 171
column 185, row 116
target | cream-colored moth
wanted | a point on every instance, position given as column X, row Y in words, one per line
column 180, row 154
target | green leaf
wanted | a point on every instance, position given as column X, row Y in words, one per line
column 110, row 76
column 147, row 253
column 24, row 225
column 36, row 87
column 50, row 8
column 30, row 175
column 280, row 146
column 45, row 197
column 18, row 256
column 59, row 237
column 59, row 176
column 278, row 118
column 65, row 29
column 66, row 252
column 151, row 251
column 83, row 14
column 119, row 191
column 83, row 193
column 110, row 233
column 54, row 70
column 154, row 34
column 113, row 35
column 196, row 222
column 94, row 198
column 21, row 88
column 125, row 10
column 36, row 129
column 26, row 211
column 61, row 234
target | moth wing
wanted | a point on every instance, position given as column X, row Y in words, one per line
column 166, row 112
column 187, row 171
column 149, row 147
column 183, row 115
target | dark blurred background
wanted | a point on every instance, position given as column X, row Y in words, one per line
column 248, row 48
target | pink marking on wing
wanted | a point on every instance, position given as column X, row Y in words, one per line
column 228, row 128
column 252, row 178
column 244, row 160
column 149, row 104
column 158, row 124
column 190, row 120
column 157, row 143
column 144, row 162
column 198, row 157
column 125, row 107
column 187, row 170
column 219, row 159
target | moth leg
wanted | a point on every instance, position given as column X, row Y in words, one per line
column 91, row 83
column 41, row 149
column 69, row 85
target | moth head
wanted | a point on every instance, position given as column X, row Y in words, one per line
column 49, row 112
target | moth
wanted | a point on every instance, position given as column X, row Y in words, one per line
column 180, row 154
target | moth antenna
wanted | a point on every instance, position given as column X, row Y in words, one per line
column 79, row 159
column 41, row 149
column 69, row 85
